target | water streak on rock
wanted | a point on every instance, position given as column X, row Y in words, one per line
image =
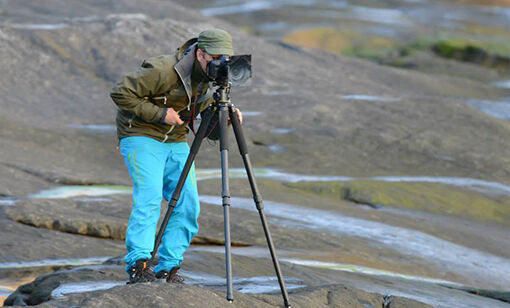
column 81, row 190
column 370, row 98
column 474, row 184
column 248, row 113
column 445, row 254
column 257, row 284
column 205, row 174
column 501, row 84
column 352, row 268
column 253, row 6
column 286, row 256
column 8, row 201
column 275, row 174
column 4, row 291
column 103, row 128
column 85, row 286
column 275, row 148
column 39, row 26
column 71, row 191
column 496, row 109
column 53, row 262
column 392, row 17
column 91, row 199
column 282, row 131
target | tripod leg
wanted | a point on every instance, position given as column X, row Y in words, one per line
column 225, row 194
column 243, row 149
column 182, row 179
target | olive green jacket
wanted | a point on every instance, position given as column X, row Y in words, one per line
column 161, row 82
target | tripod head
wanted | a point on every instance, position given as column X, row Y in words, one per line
column 222, row 94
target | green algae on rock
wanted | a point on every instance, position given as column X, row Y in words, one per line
column 474, row 52
column 344, row 42
column 429, row 197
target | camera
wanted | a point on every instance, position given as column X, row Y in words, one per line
column 235, row 70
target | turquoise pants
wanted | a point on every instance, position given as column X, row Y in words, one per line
column 155, row 168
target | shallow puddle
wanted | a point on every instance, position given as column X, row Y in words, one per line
column 282, row 131
column 496, row 109
column 53, row 262
column 277, row 93
column 8, row 201
column 91, row 199
column 370, row 98
column 81, row 190
column 505, row 84
column 257, row 284
column 252, row 6
column 276, row 148
column 385, row 16
column 250, row 251
column 333, row 9
column 206, row 174
column 39, row 26
column 463, row 260
column 96, row 128
column 248, row 113
column 82, row 287
column 4, row 292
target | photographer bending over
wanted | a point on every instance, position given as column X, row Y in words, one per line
column 156, row 108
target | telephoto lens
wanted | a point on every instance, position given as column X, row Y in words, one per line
column 235, row 70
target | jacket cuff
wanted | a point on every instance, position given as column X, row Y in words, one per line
column 162, row 119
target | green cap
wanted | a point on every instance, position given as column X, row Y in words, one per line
column 216, row 42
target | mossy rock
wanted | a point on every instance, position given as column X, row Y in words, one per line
column 490, row 55
column 344, row 42
column 428, row 197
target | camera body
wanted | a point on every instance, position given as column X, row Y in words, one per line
column 235, row 70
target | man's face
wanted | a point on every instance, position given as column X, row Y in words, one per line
column 203, row 58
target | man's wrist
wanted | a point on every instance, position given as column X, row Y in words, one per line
column 165, row 111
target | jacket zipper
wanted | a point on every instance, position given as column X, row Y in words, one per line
column 173, row 126
column 168, row 132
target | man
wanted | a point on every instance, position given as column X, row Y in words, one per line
column 153, row 102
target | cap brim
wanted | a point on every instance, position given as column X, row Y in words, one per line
column 219, row 51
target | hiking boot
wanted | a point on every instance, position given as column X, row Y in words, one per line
column 141, row 272
column 172, row 276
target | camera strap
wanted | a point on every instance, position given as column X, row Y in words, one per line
column 192, row 116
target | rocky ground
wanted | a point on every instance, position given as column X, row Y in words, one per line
column 320, row 127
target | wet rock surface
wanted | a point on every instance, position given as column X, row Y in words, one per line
column 104, row 285
column 324, row 115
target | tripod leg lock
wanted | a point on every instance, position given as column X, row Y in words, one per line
column 226, row 200
column 258, row 202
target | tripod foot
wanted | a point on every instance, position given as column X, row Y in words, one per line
column 231, row 301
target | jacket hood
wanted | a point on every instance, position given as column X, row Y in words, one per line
column 185, row 47
column 186, row 57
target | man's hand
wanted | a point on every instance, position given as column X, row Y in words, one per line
column 172, row 117
column 239, row 116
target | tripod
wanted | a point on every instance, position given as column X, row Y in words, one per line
column 223, row 106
